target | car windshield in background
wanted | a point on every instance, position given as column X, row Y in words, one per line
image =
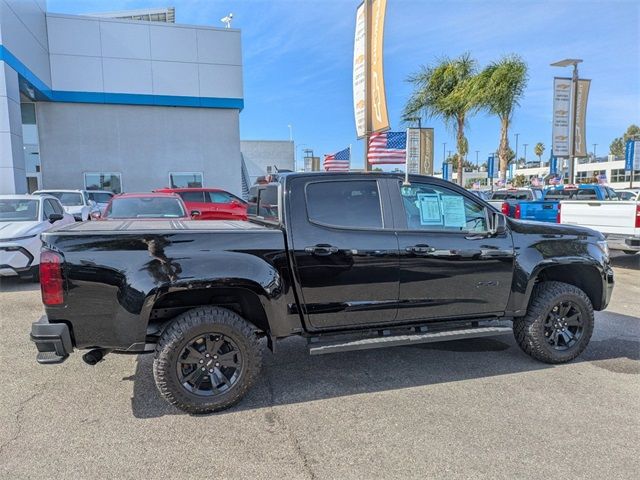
column 18, row 210
column 68, row 199
column 146, row 207
column 100, row 197
column 524, row 195
column 572, row 194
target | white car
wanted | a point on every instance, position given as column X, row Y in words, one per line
column 22, row 219
column 101, row 197
column 629, row 194
column 75, row 202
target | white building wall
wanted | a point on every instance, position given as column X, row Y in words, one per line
column 260, row 155
column 142, row 143
column 124, row 56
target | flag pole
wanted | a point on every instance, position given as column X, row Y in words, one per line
column 349, row 157
column 367, row 97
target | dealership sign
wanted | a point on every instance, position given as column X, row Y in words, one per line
column 580, row 129
column 561, row 116
column 369, row 96
column 419, row 151
column 632, row 155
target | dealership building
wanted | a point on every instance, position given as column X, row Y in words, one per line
column 125, row 101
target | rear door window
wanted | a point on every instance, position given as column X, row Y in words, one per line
column 345, row 204
column 193, row 197
column 220, row 197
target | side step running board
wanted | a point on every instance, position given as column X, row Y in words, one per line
column 409, row 339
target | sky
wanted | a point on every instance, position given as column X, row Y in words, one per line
column 297, row 58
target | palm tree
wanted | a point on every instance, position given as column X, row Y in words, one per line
column 499, row 88
column 444, row 91
column 539, row 151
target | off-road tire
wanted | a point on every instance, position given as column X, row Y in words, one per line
column 529, row 330
column 189, row 325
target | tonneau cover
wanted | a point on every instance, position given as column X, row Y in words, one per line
column 107, row 226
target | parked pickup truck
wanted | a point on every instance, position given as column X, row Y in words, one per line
column 546, row 210
column 348, row 261
column 506, row 200
column 618, row 221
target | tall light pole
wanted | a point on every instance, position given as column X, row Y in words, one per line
column 444, row 151
column 290, row 132
column 574, row 110
column 525, row 152
column 516, row 157
column 477, row 161
column 295, row 166
column 594, row 152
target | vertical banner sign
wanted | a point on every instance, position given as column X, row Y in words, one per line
column 553, row 164
column 419, row 153
column 561, row 116
column 492, row 171
column 413, row 151
column 359, row 73
column 447, row 171
column 629, row 156
column 377, row 106
column 581, row 116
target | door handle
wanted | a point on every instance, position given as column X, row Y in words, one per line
column 321, row 249
column 420, row 249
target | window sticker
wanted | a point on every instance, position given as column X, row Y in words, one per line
column 430, row 209
column 453, row 211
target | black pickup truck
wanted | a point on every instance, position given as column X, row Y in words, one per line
column 348, row 261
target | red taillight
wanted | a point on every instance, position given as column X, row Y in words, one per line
column 558, row 215
column 51, row 283
column 518, row 213
column 637, row 216
column 505, row 208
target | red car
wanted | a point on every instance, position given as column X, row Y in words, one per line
column 146, row 206
column 212, row 203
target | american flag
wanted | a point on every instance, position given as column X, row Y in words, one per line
column 338, row 162
column 387, row 147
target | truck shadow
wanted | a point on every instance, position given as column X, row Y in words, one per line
column 15, row 284
column 631, row 262
column 293, row 376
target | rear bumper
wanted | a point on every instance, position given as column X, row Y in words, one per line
column 53, row 341
column 623, row 242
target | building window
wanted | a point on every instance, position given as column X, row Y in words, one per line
column 620, row 175
column 581, row 176
column 185, row 179
column 110, row 181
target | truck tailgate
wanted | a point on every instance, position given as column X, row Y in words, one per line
column 604, row 216
column 539, row 210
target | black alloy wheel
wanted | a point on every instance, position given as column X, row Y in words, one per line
column 209, row 365
column 563, row 326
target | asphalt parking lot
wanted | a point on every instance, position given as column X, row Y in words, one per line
column 467, row 409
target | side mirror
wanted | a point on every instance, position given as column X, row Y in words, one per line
column 195, row 213
column 54, row 217
column 498, row 223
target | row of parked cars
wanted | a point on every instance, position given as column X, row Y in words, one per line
column 614, row 213
column 24, row 217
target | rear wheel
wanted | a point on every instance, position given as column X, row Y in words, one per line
column 207, row 360
column 558, row 324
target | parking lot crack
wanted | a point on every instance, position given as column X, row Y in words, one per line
column 291, row 436
column 18, row 421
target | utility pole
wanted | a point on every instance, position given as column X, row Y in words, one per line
column 594, row 152
column 516, row 157
column 444, row 150
column 525, row 153
column 477, row 161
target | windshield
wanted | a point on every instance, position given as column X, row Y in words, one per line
column 100, row 197
column 146, row 207
column 18, row 210
column 517, row 195
column 68, row 199
column 627, row 195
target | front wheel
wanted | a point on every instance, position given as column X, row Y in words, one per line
column 558, row 324
column 207, row 360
